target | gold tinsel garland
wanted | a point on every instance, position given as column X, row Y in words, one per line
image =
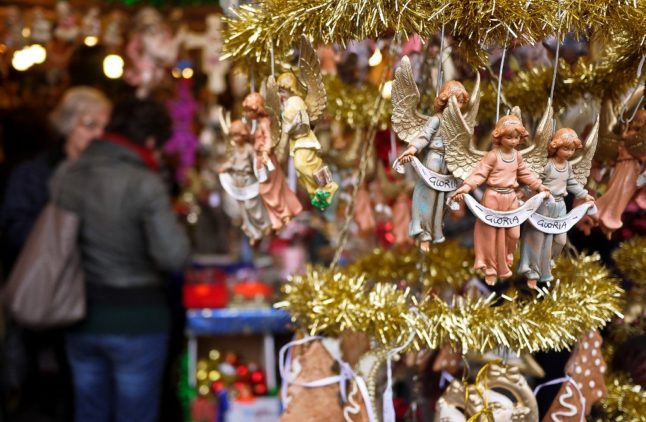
column 583, row 298
column 630, row 258
column 444, row 265
column 626, row 402
column 253, row 29
column 349, row 104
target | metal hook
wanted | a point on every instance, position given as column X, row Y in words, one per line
column 641, row 100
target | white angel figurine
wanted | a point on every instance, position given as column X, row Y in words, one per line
column 299, row 113
column 561, row 176
column 503, row 169
column 425, row 136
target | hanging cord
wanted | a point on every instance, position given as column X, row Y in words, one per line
column 366, row 150
column 641, row 100
column 556, row 54
column 502, row 65
column 271, row 55
column 440, row 70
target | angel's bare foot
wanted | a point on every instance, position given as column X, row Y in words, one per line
column 490, row 279
column 531, row 283
column 425, row 245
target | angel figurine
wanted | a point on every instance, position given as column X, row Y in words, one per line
column 425, row 136
column 238, row 179
column 280, row 202
column 538, row 248
column 502, row 169
column 630, row 153
column 299, row 113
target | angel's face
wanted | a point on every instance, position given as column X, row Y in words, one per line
column 509, row 141
column 565, row 152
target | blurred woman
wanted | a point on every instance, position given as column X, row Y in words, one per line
column 79, row 118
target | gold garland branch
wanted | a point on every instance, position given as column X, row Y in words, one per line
column 630, row 258
column 251, row 29
column 583, row 299
column 347, row 104
column 447, row 264
column 626, row 402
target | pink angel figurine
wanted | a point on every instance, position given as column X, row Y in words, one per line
column 281, row 203
column 502, row 169
column 623, row 183
column 151, row 49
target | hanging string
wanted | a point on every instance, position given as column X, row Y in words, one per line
column 440, row 71
column 556, row 56
column 366, row 151
column 632, row 93
column 271, row 55
column 502, row 65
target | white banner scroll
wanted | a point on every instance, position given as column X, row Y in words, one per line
column 559, row 225
column 435, row 181
column 238, row 193
column 503, row 219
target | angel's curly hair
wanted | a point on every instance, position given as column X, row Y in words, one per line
column 562, row 138
column 448, row 89
column 509, row 126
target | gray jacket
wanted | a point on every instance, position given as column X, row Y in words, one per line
column 128, row 230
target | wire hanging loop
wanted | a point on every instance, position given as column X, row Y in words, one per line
column 502, row 65
column 634, row 90
column 556, row 56
column 440, row 70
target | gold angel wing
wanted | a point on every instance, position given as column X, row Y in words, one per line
column 406, row 119
column 637, row 145
column 516, row 112
column 471, row 113
column 583, row 163
column 608, row 139
column 310, row 74
column 224, row 120
column 272, row 106
column 459, row 151
column 535, row 156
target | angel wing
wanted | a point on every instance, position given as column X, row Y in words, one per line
column 535, row 156
column 406, row 119
column 272, row 107
column 457, row 132
column 224, row 120
column 474, row 104
column 583, row 163
column 310, row 74
column 637, row 145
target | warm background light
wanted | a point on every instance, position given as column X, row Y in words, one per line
column 113, row 66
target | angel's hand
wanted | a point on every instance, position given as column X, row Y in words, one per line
column 265, row 157
column 458, row 195
column 546, row 190
column 407, row 155
column 590, row 198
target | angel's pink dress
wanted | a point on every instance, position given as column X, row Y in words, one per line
column 494, row 247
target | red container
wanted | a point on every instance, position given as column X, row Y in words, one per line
column 205, row 288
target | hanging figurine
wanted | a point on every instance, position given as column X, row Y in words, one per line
column 67, row 28
column 425, row 136
column 629, row 155
column 151, row 49
column 210, row 42
column 238, row 180
column 41, row 27
column 281, row 203
column 92, row 24
column 299, row 114
column 183, row 143
column 543, row 238
column 496, row 233
column 113, row 33
column 13, row 22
